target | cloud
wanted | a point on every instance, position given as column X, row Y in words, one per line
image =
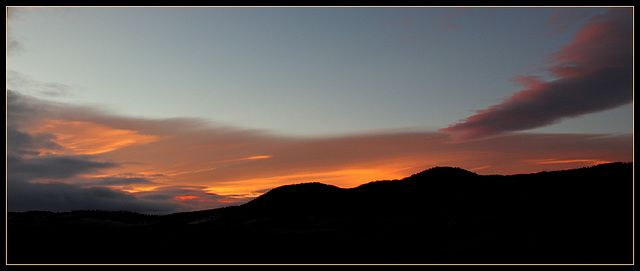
column 57, row 159
column 81, row 137
column 24, row 144
column 21, row 108
column 191, row 197
column 14, row 46
column 52, row 167
column 121, row 181
column 562, row 19
column 37, row 183
column 445, row 18
column 54, row 183
column 18, row 80
column 193, row 164
column 593, row 73
column 60, row 197
column 18, row 16
column 39, row 179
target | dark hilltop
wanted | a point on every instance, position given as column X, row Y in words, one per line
column 443, row 215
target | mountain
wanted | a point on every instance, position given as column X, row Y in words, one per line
column 441, row 215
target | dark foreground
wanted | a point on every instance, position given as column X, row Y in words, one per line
column 442, row 216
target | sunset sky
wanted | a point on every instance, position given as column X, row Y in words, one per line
column 167, row 109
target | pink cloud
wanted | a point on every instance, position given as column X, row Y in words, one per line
column 593, row 73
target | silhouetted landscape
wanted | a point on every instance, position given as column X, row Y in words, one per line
column 443, row 215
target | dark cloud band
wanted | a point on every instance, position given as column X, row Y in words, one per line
column 594, row 73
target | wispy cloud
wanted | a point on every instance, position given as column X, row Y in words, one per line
column 14, row 46
column 81, row 137
column 110, row 181
column 556, row 161
column 18, row 80
column 593, row 73
column 445, row 20
column 562, row 19
column 52, row 167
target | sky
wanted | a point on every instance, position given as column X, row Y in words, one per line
column 167, row 109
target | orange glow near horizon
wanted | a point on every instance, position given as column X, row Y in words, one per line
column 209, row 167
column 188, row 197
column 137, row 189
column 81, row 137
column 258, row 157
column 344, row 178
column 571, row 161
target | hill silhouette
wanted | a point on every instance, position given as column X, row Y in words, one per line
column 441, row 215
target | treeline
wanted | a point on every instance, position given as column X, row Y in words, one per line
column 123, row 216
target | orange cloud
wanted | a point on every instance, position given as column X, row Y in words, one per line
column 570, row 161
column 185, row 197
column 258, row 157
column 139, row 189
column 81, row 137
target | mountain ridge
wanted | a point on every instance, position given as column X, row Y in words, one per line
column 440, row 215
